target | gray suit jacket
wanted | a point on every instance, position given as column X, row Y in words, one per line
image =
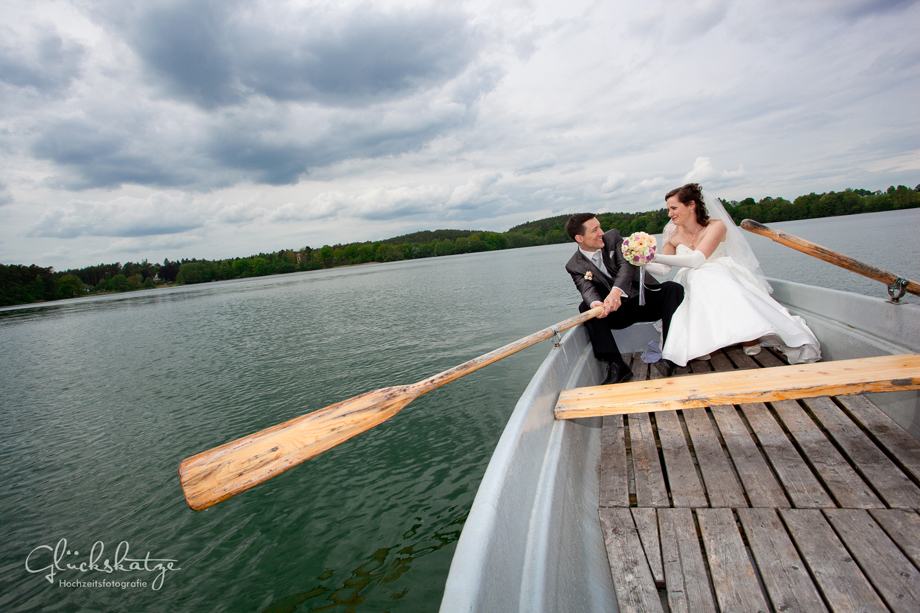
column 623, row 274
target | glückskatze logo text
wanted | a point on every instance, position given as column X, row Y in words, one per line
column 58, row 559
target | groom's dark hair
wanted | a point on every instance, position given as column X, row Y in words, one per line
column 575, row 226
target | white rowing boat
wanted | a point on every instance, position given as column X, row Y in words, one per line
column 533, row 540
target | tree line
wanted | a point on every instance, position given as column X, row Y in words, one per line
column 26, row 284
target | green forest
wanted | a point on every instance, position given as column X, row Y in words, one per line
column 26, row 284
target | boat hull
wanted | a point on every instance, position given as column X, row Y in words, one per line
column 532, row 541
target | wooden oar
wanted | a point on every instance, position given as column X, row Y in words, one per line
column 222, row 472
column 837, row 259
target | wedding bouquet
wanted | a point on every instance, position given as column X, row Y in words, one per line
column 639, row 248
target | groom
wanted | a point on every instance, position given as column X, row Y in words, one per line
column 604, row 278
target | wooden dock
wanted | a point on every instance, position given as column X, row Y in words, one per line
column 795, row 505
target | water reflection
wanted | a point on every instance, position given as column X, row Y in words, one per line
column 383, row 567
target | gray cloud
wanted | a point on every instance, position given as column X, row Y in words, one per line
column 128, row 126
column 858, row 9
column 158, row 214
column 5, row 196
column 42, row 61
column 276, row 94
column 99, row 155
column 219, row 53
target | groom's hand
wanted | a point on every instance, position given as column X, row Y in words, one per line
column 603, row 313
column 612, row 302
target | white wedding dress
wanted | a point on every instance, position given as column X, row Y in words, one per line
column 724, row 304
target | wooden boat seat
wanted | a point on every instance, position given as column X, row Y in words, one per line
column 844, row 377
column 774, row 504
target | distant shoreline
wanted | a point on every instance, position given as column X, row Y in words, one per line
column 33, row 284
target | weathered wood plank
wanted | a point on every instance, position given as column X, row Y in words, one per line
column 891, row 573
column 614, row 475
column 892, row 485
column 886, row 432
column 783, row 572
column 632, row 580
column 686, row 578
column 760, row 484
column 844, row 483
column 646, row 521
column 801, row 485
column 722, row 485
column 844, row 377
column 756, row 476
column 742, row 360
column 649, row 477
column 733, row 575
column 682, row 478
column 843, row 584
column 720, row 362
column 904, row 529
column 768, row 359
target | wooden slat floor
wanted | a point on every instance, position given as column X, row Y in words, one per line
column 807, row 505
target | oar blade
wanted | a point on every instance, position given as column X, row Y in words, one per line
column 227, row 470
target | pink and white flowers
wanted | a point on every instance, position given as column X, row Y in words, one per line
column 639, row 248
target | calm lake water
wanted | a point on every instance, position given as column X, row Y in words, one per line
column 103, row 397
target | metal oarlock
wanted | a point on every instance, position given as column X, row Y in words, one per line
column 557, row 339
column 896, row 290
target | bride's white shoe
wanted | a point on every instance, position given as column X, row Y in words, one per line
column 752, row 350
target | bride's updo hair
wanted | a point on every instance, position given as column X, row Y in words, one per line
column 692, row 191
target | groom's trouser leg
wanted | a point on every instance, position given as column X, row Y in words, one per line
column 659, row 304
column 670, row 295
column 602, row 341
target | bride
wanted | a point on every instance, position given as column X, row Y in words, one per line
column 727, row 299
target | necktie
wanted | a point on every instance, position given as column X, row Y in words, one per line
column 599, row 262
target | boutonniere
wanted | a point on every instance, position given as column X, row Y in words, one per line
column 589, row 275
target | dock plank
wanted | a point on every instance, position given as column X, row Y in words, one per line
column 614, row 475
column 722, row 485
column 895, row 488
column 891, row 573
column 757, row 478
column 783, row 572
column 686, row 578
column 903, row 527
column 844, row 483
column 843, row 584
column 886, row 432
column 632, row 579
column 733, row 575
column 801, row 485
column 760, row 484
column 647, row 472
column 682, row 478
column 646, row 521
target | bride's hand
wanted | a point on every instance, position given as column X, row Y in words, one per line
column 657, row 268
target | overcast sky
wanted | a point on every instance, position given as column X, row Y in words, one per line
column 221, row 128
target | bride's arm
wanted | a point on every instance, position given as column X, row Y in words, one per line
column 714, row 235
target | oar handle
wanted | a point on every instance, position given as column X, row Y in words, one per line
column 828, row 255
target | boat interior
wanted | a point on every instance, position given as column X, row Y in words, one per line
column 792, row 505
column 804, row 505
